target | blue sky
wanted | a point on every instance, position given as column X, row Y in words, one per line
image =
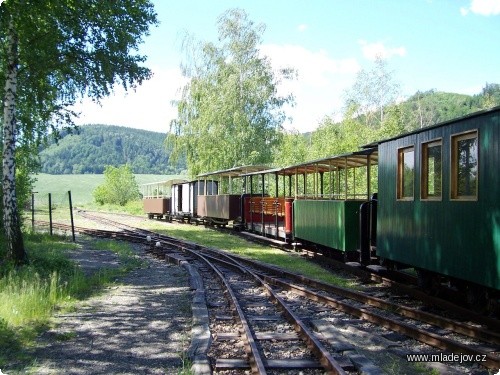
column 447, row 45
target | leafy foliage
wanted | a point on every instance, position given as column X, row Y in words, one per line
column 119, row 186
column 230, row 112
column 53, row 54
column 371, row 92
column 95, row 146
column 335, row 137
column 292, row 149
column 430, row 107
column 68, row 49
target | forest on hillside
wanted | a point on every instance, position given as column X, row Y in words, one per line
column 94, row 146
column 361, row 126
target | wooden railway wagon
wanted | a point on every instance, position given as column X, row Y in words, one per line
column 156, row 198
column 184, row 203
column 316, row 202
column 265, row 213
column 330, row 217
column 223, row 206
column 439, row 202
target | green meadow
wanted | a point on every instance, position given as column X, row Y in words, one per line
column 80, row 185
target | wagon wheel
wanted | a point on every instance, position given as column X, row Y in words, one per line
column 428, row 281
column 477, row 298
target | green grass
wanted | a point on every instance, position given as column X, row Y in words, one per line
column 132, row 208
column 81, row 186
column 32, row 293
column 289, row 261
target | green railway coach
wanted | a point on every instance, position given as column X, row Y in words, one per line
column 327, row 212
column 439, row 199
column 330, row 223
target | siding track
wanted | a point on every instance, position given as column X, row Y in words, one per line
column 248, row 281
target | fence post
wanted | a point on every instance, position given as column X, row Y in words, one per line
column 33, row 211
column 71, row 213
column 50, row 213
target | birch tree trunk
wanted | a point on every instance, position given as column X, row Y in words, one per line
column 12, row 225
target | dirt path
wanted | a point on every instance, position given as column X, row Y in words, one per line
column 141, row 325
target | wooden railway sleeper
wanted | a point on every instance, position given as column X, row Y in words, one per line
column 492, row 361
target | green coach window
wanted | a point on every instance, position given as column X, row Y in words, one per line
column 406, row 173
column 431, row 170
column 464, row 166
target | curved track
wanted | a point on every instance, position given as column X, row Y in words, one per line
column 445, row 334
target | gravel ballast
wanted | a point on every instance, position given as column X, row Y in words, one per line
column 140, row 325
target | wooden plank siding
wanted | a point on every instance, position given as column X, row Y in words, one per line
column 157, row 206
column 222, row 206
column 456, row 238
column 331, row 223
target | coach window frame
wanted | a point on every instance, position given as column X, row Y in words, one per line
column 400, row 174
column 454, row 175
column 424, row 171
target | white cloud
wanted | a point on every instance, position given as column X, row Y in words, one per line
column 321, row 81
column 482, row 7
column 372, row 50
column 149, row 107
column 318, row 92
column 314, row 68
column 302, row 27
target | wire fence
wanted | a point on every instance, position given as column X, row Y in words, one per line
column 51, row 208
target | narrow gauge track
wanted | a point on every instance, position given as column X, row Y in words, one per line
column 443, row 298
column 374, row 310
column 242, row 285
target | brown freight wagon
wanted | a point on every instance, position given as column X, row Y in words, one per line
column 226, row 205
column 156, row 198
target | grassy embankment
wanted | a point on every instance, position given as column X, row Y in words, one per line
column 51, row 281
column 289, row 261
column 30, row 294
column 82, row 185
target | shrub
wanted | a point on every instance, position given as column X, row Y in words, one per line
column 119, row 186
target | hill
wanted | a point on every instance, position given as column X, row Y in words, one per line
column 95, row 146
column 431, row 107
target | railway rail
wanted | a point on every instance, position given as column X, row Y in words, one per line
column 441, row 297
column 475, row 340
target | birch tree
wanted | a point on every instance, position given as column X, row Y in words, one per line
column 230, row 111
column 52, row 54
column 371, row 92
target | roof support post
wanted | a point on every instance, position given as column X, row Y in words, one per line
column 314, row 192
column 250, row 203
column 354, row 182
column 345, row 177
column 276, row 205
column 262, row 207
column 296, row 183
column 276, row 185
column 304, row 177
column 368, row 176
column 321, row 183
column 331, row 179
